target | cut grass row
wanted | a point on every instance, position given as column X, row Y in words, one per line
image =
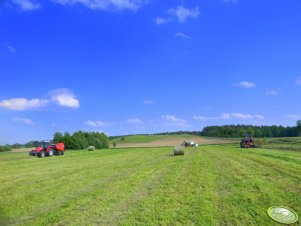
column 209, row 185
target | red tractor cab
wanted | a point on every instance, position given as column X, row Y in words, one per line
column 247, row 141
column 45, row 148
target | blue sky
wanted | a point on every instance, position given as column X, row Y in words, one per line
column 134, row 66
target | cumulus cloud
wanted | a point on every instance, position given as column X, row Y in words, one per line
column 95, row 124
column 27, row 5
column 180, row 13
column 271, row 93
column 240, row 116
column 26, row 121
column 245, row 84
column 134, row 121
column 202, row 118
column 182, row 35
column 105, row 4
column 173, row 121
column 172, row 118
column 64, row 97
column 22, row 103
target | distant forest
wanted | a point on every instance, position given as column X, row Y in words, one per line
column 240, row 130
column 256, row 131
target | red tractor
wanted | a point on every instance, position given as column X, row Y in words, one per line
column 45, row 148
column 247, row 141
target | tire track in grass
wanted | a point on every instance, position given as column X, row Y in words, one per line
column 279, row 165
column 276, row 187
column 108, row 208
column 155, row 207
column 255, row 191
column 38, row 208
column 236, row 203
column 185, row 197
column 40, row 192
column 67, row 206
column 148, row 184
column 62, row 170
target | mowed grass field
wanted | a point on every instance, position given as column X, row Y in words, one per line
column 209, row 185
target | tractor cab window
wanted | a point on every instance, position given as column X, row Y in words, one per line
column 44, row 144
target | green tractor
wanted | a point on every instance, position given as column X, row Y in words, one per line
column 247, row 141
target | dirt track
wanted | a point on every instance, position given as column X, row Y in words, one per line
column 173, row 142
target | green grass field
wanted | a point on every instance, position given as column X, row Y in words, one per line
column 138, row 139
column 147, row 138
column 209, row 185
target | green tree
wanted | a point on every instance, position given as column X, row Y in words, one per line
column 250, row 131
column 299, row 125
column 68, row 141
column 58, row 137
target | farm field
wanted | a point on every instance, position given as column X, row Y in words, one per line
column 165, row 140
column 209, row 185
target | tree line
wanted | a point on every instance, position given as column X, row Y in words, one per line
column 80, row 140
column 256, row 131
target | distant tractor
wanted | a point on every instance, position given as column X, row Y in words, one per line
column 45, row 148
column 247, row 141
column 189, row 144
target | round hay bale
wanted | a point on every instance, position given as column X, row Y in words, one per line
column 178, row 150
column 91, row 148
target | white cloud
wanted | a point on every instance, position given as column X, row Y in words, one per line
column 293, row 116
column 148, row 102
column 22, row 103
column 240, row 116
column 245, row 84
column 22, row 120
column 94, row 123
column 105, row 4
column 27, row 5
column 225, row 116
column 171, row 118
column 134, row 121
column 298, row 82
column 11, row 49
column 64, row 97
column 202, row 118
column 174, row 122
column 271, row 93
column 180, row 13
column 160, row 20
column 182, row 35
column 230, row 1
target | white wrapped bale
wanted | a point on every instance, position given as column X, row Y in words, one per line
column 178, row 150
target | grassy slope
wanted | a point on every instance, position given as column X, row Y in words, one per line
column 148, row 138
column 211, row 185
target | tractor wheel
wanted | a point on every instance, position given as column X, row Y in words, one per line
column 62, row 152
column 50, row 153
column 41, row 154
